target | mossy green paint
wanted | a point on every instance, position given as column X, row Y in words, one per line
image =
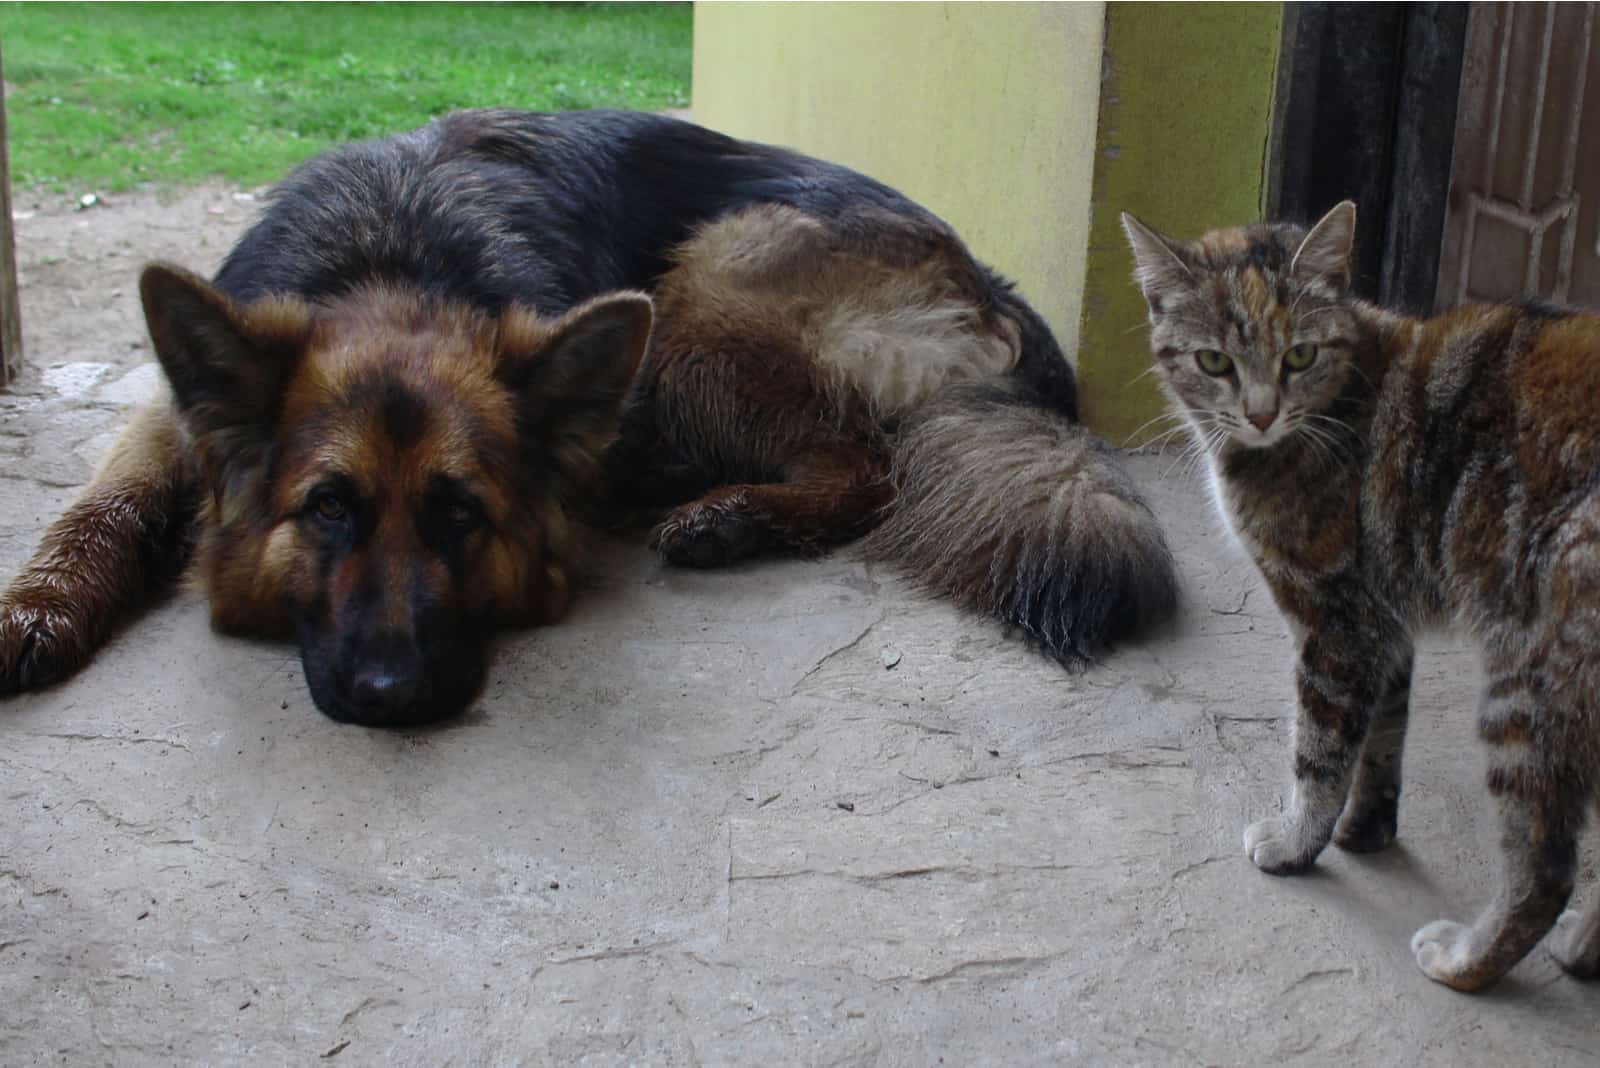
column 1185, row 112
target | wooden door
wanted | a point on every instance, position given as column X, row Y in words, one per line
column 1523, row 217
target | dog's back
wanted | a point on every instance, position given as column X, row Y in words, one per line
column 496, row 207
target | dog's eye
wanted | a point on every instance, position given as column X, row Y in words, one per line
column 464, row 516
column 328, row 507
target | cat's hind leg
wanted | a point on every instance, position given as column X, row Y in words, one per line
column 1538, row 778
column 1540, row 844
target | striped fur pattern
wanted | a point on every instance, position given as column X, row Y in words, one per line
column 1387, row 475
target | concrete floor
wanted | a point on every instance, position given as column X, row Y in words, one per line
column 702, row 821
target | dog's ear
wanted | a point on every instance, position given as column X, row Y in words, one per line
column 570, row 375
column 227, row 364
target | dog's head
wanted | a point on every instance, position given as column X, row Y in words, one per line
column 386, row 476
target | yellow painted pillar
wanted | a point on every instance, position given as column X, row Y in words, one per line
column 984, row 113
column 1185, row 112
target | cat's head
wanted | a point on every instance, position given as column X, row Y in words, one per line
column 1251, row 327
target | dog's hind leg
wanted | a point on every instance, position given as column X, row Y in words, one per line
column 643, row 469
column 737, row 425
column 828, row 494
column 124, row 537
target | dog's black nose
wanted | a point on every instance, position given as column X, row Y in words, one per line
column 386, row 691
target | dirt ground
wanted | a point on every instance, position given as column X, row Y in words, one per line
column 88, row 358
column 790, row 813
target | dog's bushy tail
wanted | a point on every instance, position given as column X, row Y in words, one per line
column 1013, row 510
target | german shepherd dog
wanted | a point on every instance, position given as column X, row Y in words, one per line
column 432, row 359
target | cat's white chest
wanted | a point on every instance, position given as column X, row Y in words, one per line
column 1222, row 496
column 1222, row 499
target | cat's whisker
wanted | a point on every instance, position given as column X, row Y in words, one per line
column 1298, row 297
column 1159, row 442
column 1352, row 365
column 1346, row 436
column 1200, row 448
column 1204, row 455
column 1152, row 369
column 1329, row 447
column 1147, row 423
column 1312, row 438
column 1323, row 417
column 1194, row 444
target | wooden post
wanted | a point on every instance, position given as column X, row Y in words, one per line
column 10, row 312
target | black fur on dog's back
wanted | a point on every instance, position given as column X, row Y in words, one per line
column 495, row 207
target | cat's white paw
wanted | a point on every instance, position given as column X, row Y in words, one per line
column 1570, row 944
column 1273, row 846
column 1443, row 950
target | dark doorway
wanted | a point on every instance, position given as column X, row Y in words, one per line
column 1366, row 110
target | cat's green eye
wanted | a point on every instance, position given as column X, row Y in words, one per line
column 1301, row 356
column 1213, row 362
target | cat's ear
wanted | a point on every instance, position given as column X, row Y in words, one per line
column 1157, row 266
column 1325, row 252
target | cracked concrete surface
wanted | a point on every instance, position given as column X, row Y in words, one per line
column 700, row 821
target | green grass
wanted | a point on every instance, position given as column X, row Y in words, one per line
column 107, row 97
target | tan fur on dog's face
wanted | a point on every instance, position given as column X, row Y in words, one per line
column 385, row 475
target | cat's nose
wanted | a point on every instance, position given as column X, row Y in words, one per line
column 1262, row 420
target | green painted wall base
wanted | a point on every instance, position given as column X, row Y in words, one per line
column 1185, row 112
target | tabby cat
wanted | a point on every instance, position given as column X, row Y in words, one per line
column 1388, row 474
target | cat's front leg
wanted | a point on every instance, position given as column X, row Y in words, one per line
column 1371, row 815
column 1339, row 679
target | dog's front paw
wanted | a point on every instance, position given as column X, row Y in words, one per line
column 1273, row 846
column 39, row 644
column 1443, row 950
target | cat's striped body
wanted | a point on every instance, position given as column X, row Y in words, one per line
column 1389, row 475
